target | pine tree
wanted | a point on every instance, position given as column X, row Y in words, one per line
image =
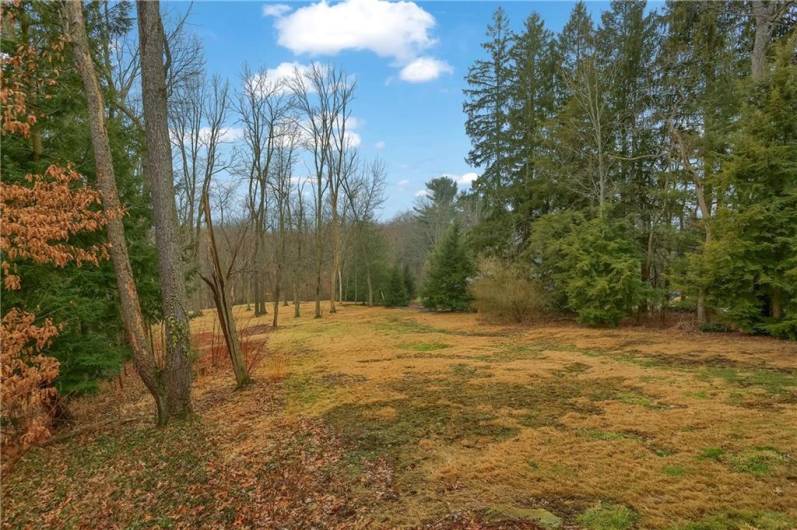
column 450, row 268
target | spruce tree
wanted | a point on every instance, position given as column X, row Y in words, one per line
column 450, row 267
column 487, row 107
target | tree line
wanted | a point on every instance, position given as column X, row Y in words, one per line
column 643, row 163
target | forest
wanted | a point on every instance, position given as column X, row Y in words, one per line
column 201, row 296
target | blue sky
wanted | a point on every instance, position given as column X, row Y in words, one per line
column 409, row 60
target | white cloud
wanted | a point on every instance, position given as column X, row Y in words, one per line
column 399, row 30
column 402, row 183
column 277, row 78
column 275, row 10
column 464, row 180
column 353, row 139
column 379, row 145
column 422, row 193
column 424, row 69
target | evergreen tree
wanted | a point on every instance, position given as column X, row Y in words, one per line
column 591, row 266
column 437, row 209
column 395, row 291
column 487, row 107
column 751, row 263
column 450, row 267
column 532, row 106
column 409, row 282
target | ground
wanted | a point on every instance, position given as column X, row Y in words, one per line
column 384, row 418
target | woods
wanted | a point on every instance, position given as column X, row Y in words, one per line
column 181, row 243
column 609, row 156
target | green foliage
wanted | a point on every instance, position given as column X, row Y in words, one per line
column 409, row 282
column 450, row 268
column 91, row 345
column 395, row 290
column 749, row 268
column 592, row 265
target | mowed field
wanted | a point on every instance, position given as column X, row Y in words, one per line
column 385, row 418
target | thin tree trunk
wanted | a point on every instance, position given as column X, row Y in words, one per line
column 333, row 269
column 143, row 358
column 158, row 167
column 370, row 286
column 218, row 286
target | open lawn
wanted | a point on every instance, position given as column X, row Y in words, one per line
column 389, row 418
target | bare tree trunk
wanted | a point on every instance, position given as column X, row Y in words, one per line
column 158, row 166
column 135, row 328
column 705, row 212
column 218, row 286
column 340, row 286
column 333, row 268
column 277, row 280
column 370, row 286
column 297, row 305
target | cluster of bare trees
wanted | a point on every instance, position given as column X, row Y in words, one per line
column 293, row 190
column 258, row 193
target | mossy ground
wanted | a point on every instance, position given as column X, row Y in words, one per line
column 400, row 418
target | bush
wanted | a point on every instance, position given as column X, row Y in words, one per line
column 592, row 264
column 714, row 327
column 502, row 291
column 450, row 267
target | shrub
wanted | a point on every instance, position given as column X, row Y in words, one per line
column 594, row 264
column 503, row 291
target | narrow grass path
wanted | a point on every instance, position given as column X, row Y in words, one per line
column 400, row 418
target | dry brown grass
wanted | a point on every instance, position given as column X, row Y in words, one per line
column 444, row 420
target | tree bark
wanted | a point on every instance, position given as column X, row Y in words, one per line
column 158, row 167
column 764, row 14
column 130, row 307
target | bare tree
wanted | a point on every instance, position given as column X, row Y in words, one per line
column 298, row 219
column 262, row 107
column 281, row 191
column 158, row 167
column 321, row 96
column 342, row 163
column 143, row 357
column 218, row 282
column 365, row 193
column 198, row 121
column 587, row 86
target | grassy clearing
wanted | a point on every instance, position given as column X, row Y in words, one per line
column 399, row 418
